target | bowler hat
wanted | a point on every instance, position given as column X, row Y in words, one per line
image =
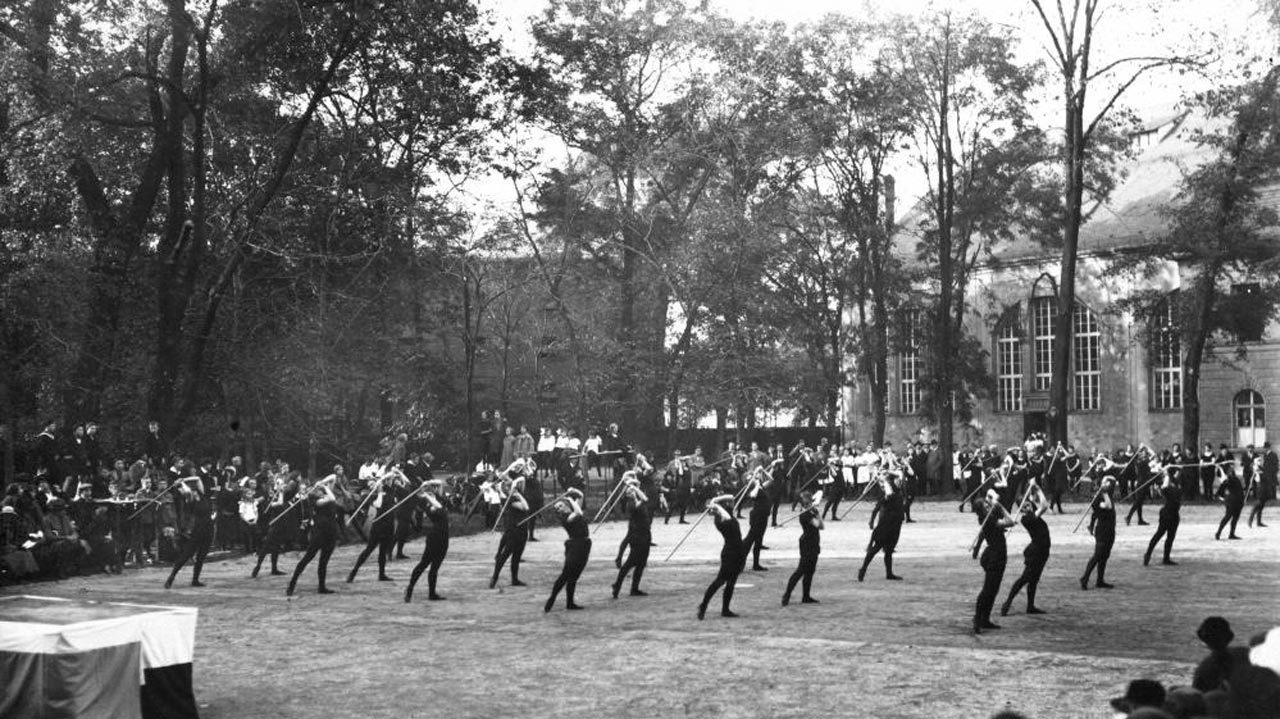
column 1215, row 632
column 1141, row 693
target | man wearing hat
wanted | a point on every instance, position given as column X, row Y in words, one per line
column 1212, row 671
column 93, row 525
column 1140, row 693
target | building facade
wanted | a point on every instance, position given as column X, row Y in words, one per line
column 1126, row 375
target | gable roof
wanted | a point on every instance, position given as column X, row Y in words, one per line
column 1131, row 216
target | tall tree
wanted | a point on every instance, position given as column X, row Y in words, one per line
column 980, row 155
column 1071, row 32
column 634, row 102
column 1222, row 230
column 842, row 262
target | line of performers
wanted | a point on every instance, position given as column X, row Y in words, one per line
column 1163, row 475
column 640, row 495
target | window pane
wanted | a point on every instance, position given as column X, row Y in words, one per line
column 1086, row 342
column 1042, row 334
column 1166, row 357
column 1008, row 365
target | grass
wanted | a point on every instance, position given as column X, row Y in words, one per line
column 875, row 649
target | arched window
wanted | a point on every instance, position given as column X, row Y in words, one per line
column 1044, row 305
column 1085, row 342
column 1009, row 361
column 909, row 364
column 1166, row 355
column 1251, row 418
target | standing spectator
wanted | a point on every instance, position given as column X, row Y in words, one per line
column 144, row 535
column 48, row 459
column 559, row 453
column 525, row 444
column 78, row 450
column 546, row 445
column 593, row 446
column 495, row 438
column 1265, row 489
column 1208, row 471
column 153, row 446
column 484, row 428
column 93, row 446
column 933, row 468
column 398, row 450
column 508, row 447
column 227, row 501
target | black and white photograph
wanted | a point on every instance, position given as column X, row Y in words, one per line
column 629, row 359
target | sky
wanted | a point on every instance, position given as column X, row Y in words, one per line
column 1141, row 27
column 1227, row 28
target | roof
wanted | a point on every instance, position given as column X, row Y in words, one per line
column 1132, row 215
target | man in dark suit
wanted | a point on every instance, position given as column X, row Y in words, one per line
column 93, row 447
column 153, row 448
column 47, row 455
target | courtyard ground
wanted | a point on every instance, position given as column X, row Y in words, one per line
column 875, row 649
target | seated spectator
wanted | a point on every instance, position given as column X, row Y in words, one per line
column 1214, row 669
column 1251, row 691
column 1140, row 693
column 1185, row 703
column 16, row 560
column 59, row 551
column 1254, row 686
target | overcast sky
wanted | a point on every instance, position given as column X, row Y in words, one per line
column 1126, row 28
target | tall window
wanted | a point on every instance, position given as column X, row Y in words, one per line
column 1251, row 418
column 909, row 365
column 1166, row 356
column 1009, row 362
column 1086, row 338
column 1042, row 309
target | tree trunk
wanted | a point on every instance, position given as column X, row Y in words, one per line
column 1059, row 386
column 171, row 271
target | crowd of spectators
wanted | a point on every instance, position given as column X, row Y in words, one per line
column 1231, row 682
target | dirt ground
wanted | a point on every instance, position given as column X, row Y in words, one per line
column 875, row 649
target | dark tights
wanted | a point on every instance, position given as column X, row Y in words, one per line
column 727, row 578
column 804, row 576
column 196, row 546
column 1101, row 553
column 576, row 552
column 993, row 574
column 637, row 559
column 321, row 543
column 430, row 563
column 1030, row 578
column 1256, row 512
column 1168, row 529
column 511, row 546
column 381, row 538
column 1231, row 516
